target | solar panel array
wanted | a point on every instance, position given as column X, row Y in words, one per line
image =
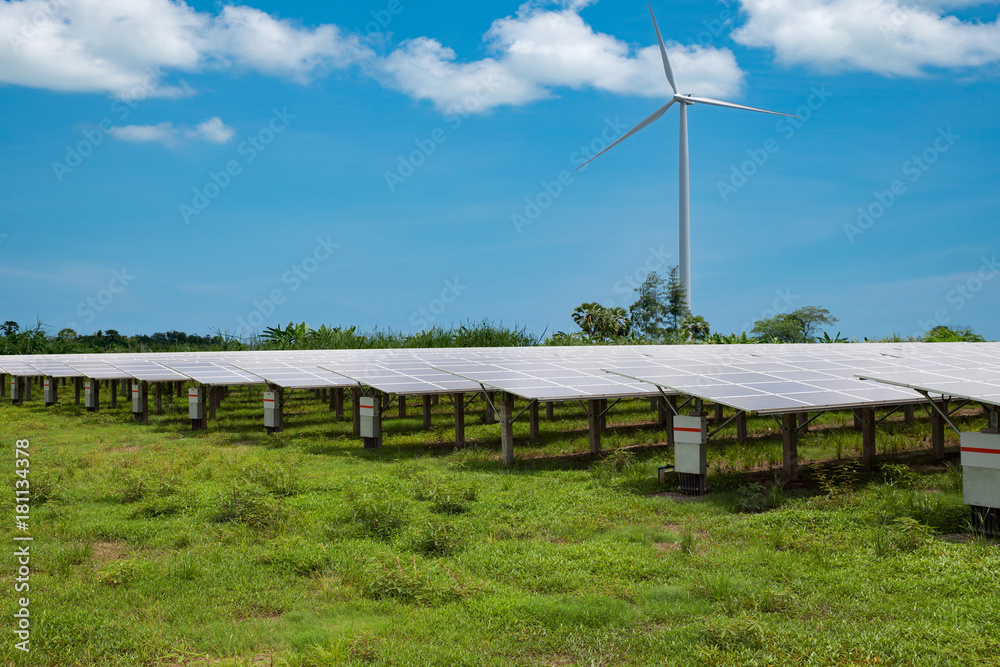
column 754, row 378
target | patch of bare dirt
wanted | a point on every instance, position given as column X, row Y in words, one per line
column 105, row 552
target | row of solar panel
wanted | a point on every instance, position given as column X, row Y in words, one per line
column 753, row 378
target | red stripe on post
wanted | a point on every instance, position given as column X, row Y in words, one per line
column 981, row 450
column 688, row 430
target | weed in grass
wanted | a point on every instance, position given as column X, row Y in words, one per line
column 68, row 556
column 754, row 497
column 378, row 517
column 445, row 496
column 132, row 489
column 730, row 635
column 612, row 465
column 43, row 489
column 438, row 538
column 250, row 506
column 952, row 479
column 155, row 508
column 279, row 480
column 120, row 572
column 687, row 541
column 838, row 483
column 186, row 567
column 943, row 513
column 904, row 535
column 298, row 556
column 419, row 582
column 900, row 475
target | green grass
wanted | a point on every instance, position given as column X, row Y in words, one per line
column 158, row 546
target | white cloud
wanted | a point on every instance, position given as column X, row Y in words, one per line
column 890, row 37
column 539, row 50
column 212, row 130
column 123, row 46
column 258, row 41
column 164, row 133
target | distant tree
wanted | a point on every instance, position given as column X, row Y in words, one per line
column 649, row 312
column 9, row 328
column 943, row 334
column 798, row 326
column 676, row 302
column 812, row 317
column 600, row 322
column 66, row 334
column 695, row 327
column 782, row 328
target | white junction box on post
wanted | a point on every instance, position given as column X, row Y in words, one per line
column 49, row 390
column 981, row 480
column 272, row 412
column 91, row 395
column 139, row 402
column 369, row 421
column 691, row 452
column 196, row 407
column 15, row 390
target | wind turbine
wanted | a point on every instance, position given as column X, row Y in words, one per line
column 683, row 173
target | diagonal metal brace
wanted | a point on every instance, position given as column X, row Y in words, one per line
column 523, row 410
column 667, row 401
column 810, row 420
column 959, row 407
column 941, row 412
column 888, row 414
column 605, row 410
column 725, row 423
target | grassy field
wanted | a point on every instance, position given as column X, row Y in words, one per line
column 158, row 546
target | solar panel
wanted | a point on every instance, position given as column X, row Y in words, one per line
column 148, row 371
column 98, row 370
column 214, row 373
column 544, row 382
column 974, row 384
column 294, row 375
column 415, row 379
column 56, row 369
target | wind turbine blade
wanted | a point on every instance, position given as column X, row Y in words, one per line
column 720, row 103
column 663, row 52
column 652, row 118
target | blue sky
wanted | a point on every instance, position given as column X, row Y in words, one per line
column 209, row 166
